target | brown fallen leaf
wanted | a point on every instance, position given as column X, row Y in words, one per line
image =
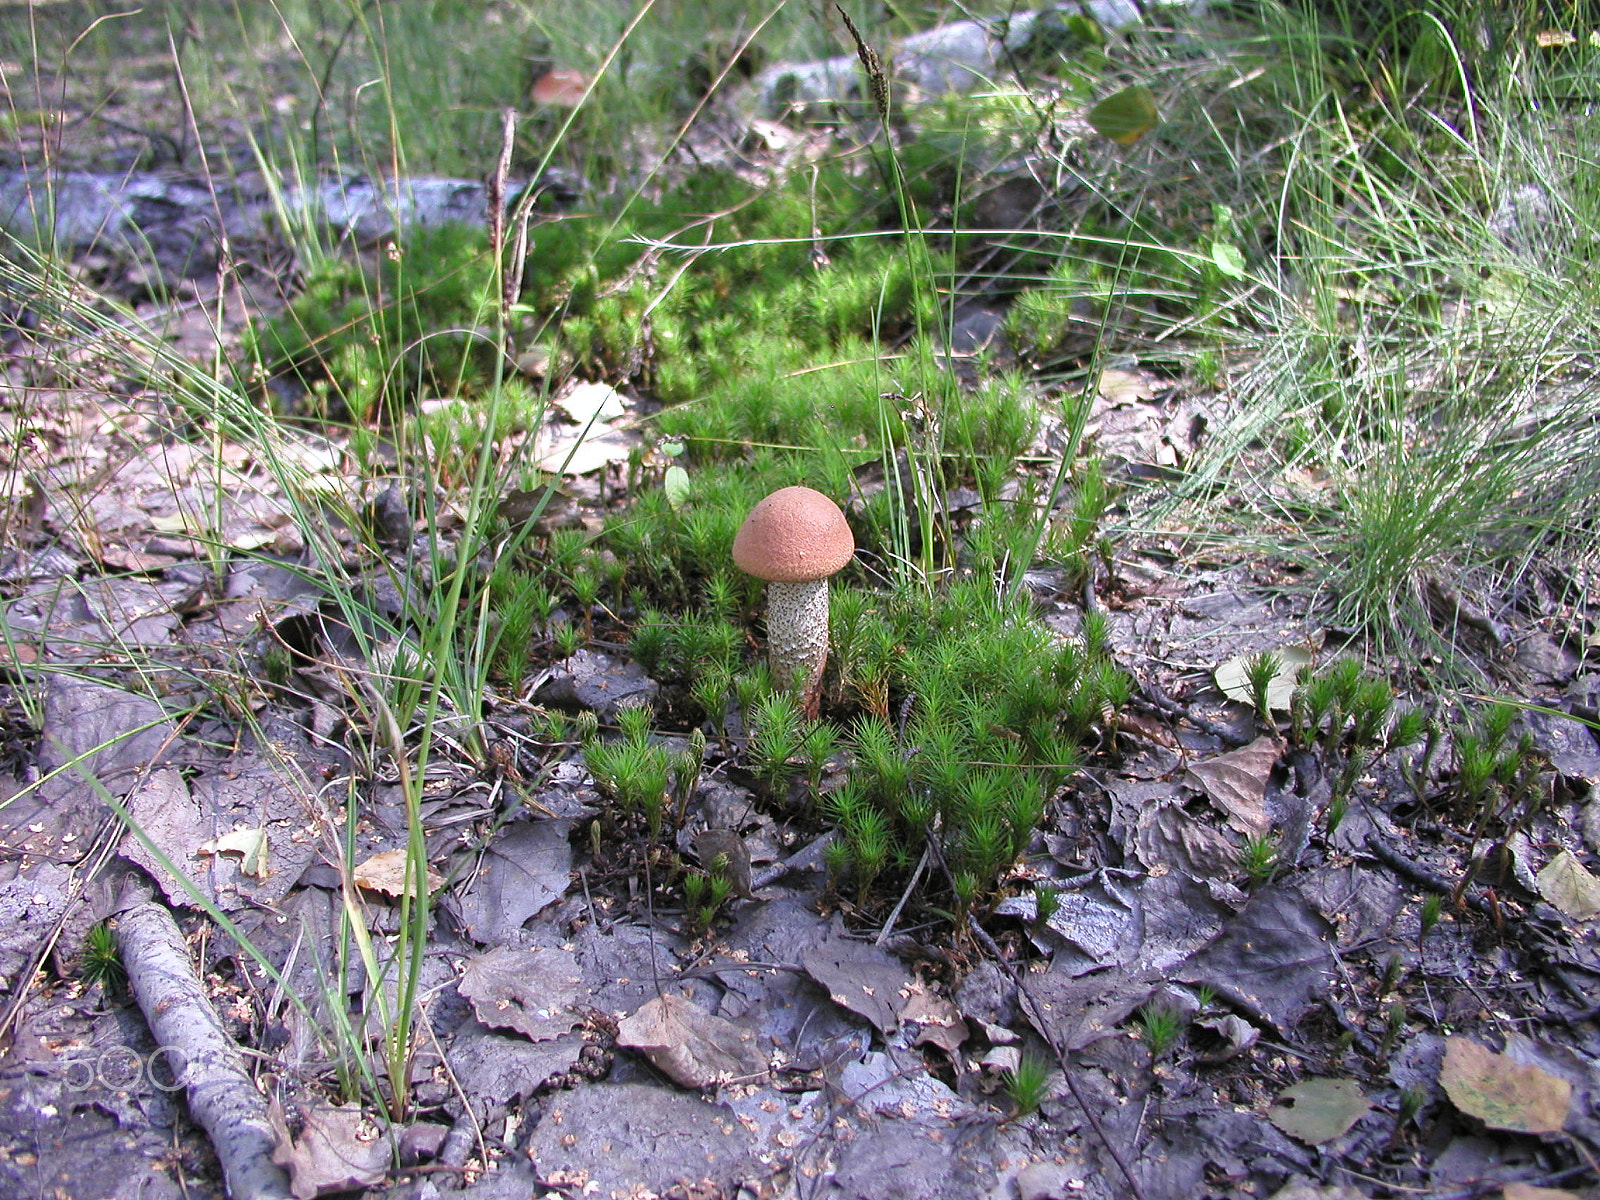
column 531, row 991
column 1318, row 1110
column 1236, row 782
column 385, row 872
column 690, row 1045
column 722, row 851
column 1526, row 1191
column 938, row 1021
column 1124, row 387
column 337, row 1150
column 1570, row 886
column 1503, row 1093
column 861, row 977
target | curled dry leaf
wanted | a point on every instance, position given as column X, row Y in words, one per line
column 249, row 844
column 938, row 1021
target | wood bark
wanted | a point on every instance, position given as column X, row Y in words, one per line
column 222, row 1096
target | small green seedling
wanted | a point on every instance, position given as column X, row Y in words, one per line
column 1394, row 1024
column 1258, row 858
column 1160, row 1027
column 1338, row 806
column 1432, row 906
column 1259, row 672
column 102, row 959
column 1028, row 1084
column 1047, row 900
column 1392, row 970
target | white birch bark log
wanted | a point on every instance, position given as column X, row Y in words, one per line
column 222, row 1096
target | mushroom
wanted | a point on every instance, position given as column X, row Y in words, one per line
column 795, row 539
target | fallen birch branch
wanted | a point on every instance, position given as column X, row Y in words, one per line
column 222, row 1096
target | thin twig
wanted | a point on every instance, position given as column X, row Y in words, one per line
column 1165, row 703
column 916, row 877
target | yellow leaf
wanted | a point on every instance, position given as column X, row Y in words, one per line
column 1503, row 1093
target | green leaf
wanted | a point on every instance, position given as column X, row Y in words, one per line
column 1086, row 29
column 676, row 484
column 1125, row 116
column 1229, row 259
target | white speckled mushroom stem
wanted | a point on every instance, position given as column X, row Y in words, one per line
column 797, row 637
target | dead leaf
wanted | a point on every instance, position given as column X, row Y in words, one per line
column 1273, row 958
column 592, row 402
column 1218, row 1039
column 249, row 844
column 1502, row 1093
column 501, row 1068
column 1570, row 886
column 526, row 868
column 937, row 1019
column 385, row 872
column 860, row 977
column 101, row 731
column 1233, row 677
column 337, row 1150
column 577, row 452
column 1167, row 836
column 1236, row 782
column 120, row 558
column 531, row 991
column 1526, row 1191
column 163, row 808
column 727, row 848
column 1318, row 1110
column 693, row 1047
column 1124, row 387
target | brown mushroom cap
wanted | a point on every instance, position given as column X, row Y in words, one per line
column 795, row 534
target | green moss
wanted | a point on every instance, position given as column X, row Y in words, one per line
column 361, row 341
